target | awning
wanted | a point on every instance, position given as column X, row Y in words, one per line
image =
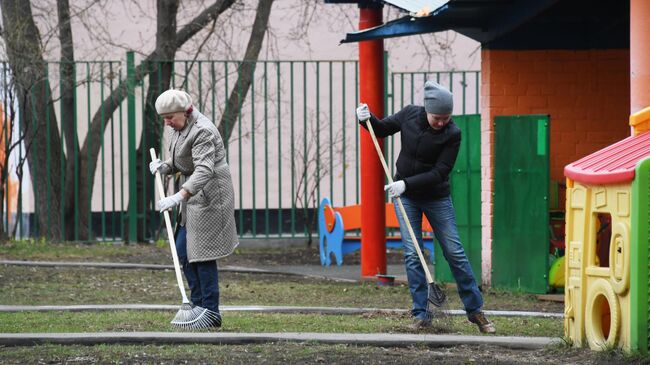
column 480, row 20
column 509, row 24
column 418, row 8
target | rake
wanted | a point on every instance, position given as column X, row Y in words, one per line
column 436, row 297
column 188, row 316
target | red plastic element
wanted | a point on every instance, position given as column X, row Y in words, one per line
column 612, row 164
column 371, row 90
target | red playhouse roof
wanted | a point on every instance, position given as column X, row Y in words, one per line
column 612, row 164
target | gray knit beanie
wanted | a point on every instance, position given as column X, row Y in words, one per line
column 437, row 99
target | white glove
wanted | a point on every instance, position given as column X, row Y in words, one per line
column 395, row 189
column 363, row 113
column 169, row 202
column 155, row 165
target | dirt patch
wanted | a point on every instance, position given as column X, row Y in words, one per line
column 283, row 353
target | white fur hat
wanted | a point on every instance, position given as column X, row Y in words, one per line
column 172, row 101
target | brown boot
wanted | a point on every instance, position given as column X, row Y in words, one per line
column 484, row 325
column 420, row 324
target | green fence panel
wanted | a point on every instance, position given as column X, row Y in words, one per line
column 465, row 182
column 295, row 141
column 520, row 245
column 640, row 260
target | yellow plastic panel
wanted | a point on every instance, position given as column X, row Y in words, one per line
column 575, row 254
column 577, row 198
column 623, row 203
column 600, row 197
column 577, row 221
column 619, row 257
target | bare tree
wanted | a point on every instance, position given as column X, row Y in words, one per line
column 246, row 70
column 313, row 165
column 25, row 56
column 24, row 49
column 9, row 144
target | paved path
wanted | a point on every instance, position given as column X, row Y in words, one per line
column 346, row 273
column 225, row 338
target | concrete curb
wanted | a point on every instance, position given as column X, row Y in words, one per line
column 116, row 265
column 224, row 338
column 121, row 266
column 256, row 308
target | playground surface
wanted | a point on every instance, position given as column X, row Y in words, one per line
column 230, row 346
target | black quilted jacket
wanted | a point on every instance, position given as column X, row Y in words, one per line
column 427, row 155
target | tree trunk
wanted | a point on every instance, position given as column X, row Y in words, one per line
column 159, row 71
column 246, row 70
column 90, row 152
column 23, row 43
column 68, row 121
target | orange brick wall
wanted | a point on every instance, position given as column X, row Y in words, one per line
column 585, row 92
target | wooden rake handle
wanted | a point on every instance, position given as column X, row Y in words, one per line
column 399, row 203
column 170, row 232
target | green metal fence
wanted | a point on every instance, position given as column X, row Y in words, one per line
column 294, row 141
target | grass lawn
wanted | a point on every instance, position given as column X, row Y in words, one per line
column 72, row 285
column 132, row 321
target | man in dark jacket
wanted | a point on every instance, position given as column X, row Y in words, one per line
column 430, row 144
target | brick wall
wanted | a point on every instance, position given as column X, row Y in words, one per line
column 585, row 92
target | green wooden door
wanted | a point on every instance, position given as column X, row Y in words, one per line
column 465, row 182
column 520, row 235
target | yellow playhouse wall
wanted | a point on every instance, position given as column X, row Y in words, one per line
column 587, row 284
column 577, row 201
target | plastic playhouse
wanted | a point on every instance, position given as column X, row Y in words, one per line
column 607, row 244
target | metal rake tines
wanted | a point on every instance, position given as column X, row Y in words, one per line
column 436, row 304
column 436, row 295
column 189, row 318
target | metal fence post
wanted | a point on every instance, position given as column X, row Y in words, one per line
column 130, row 84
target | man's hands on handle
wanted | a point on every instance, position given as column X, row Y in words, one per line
column 395, row 189
column 363, row 113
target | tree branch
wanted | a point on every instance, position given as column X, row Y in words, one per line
column 246, row 70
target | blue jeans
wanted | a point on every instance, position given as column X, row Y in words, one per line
column 441, row 215
column 202, row 277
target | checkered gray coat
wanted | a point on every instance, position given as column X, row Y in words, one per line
column 198, row 153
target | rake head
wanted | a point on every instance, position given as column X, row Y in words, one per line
column 193, row 317
column 436, row 299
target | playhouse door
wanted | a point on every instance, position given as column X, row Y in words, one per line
column 520, row 235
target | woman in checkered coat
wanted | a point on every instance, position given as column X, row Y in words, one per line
column 207, row 228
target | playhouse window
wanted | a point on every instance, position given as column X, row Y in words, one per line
column 603, row 236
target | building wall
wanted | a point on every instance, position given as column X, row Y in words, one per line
column 585, row 92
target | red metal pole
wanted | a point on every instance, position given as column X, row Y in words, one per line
column 371, row 89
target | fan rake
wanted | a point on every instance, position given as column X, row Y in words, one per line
column 188, row 317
